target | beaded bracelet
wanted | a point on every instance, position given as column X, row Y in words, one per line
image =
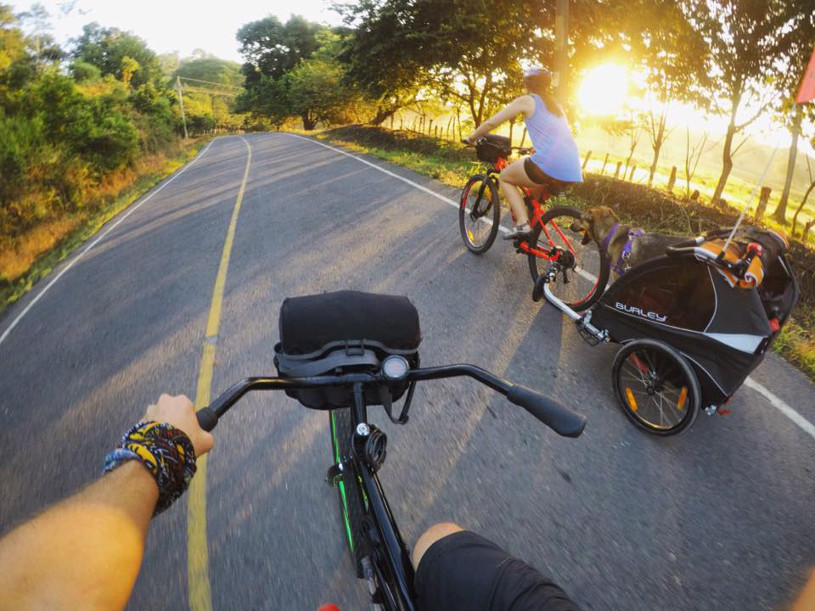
column 165, row 451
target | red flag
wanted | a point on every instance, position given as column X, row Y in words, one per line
column 807, row 91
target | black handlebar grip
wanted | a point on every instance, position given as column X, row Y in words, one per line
column 557, row 417
column 206, row 418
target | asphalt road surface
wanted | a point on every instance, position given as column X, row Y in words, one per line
column 719, row 518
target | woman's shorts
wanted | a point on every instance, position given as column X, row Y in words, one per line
column 467, row 571
column 554, row 186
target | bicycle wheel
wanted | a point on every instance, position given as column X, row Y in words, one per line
column 656, row 387
column 350, row 493
column 582, row 283
column 479, row 213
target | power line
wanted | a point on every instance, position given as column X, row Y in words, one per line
column 184, row 78
column 187, row 88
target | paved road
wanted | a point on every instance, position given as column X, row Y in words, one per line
column 720, row 518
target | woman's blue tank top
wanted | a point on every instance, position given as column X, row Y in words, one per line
column 555, row 149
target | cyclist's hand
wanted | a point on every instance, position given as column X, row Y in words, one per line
column 179, row 412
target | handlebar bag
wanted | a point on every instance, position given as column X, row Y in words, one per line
column 490, row 148
column 343, row 332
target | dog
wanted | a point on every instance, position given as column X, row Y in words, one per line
column 625, row 246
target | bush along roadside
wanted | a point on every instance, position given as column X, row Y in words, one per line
column 46, row 245
column 638, row 205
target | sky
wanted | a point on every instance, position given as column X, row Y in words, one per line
column 178, row 25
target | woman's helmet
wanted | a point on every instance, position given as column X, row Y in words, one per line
column 538, row 72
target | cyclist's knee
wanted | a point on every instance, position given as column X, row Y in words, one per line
column 430, row 536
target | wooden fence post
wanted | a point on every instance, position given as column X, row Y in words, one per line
column 430, row 127
column 391, row 122
column 617, row 171
column 401, row 123
column 605, row 161
column 762, row 202
column 586, row 160
column 631, row 174
column 458, row 116
column 672, row 180
column 523, row 137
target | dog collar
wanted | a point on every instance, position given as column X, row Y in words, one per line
column 610, row 235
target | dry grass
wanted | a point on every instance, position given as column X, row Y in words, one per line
column 16, row 257
column 18, row 254
column 28, row 257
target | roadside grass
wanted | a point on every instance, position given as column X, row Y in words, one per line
column 452, row 164
column 31, row 256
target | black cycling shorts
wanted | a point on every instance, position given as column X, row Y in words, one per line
column 537, row 175
column 466, row 571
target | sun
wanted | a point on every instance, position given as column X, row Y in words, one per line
column 604, row 90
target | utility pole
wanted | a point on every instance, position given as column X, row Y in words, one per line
column 181, row 100
column 561, row 48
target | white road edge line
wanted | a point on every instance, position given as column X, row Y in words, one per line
column 804, row 424
column 416, row 185
column 132, row 209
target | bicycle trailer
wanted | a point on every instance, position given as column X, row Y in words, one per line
column 693, row 324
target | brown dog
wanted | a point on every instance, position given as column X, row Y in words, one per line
column 625, row 246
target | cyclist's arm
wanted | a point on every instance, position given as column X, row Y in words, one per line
column 523, row 105
column 86, row 550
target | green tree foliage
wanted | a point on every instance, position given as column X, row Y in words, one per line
column 750, row 42
column 315, row 92
column 209, row 92
column 107, row 48
column 468, row 50
column 271, row 49
column 64, row 131
column 291, row 71
column 211, row 69
column 389, row 76
column 801, row 48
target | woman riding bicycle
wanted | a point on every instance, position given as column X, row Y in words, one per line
column 555, row 162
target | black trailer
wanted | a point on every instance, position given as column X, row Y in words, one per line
column 689, row 338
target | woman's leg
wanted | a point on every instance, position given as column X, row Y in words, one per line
column 512, row 177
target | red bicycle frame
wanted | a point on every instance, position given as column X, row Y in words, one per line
column 536, row 214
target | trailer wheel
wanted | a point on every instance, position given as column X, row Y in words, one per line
column 656, row 387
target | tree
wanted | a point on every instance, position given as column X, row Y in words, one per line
column 106, row 48
column 37, row 21
column 272, row 49
column 315, row 93
column 749, row 41
column 211, row 69
column 674, row 58
column 804, row 199
column 799, row 54
column 468, row 50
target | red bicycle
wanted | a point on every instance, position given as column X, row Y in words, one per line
column 584, row 265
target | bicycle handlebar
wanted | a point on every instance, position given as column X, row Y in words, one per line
column 560, row 419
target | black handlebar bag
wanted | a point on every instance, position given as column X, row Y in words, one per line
column 342, row 332
column 491, row 148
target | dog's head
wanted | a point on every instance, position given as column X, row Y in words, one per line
column 595, row 223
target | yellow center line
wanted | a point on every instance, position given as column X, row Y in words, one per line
column 197, row 554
